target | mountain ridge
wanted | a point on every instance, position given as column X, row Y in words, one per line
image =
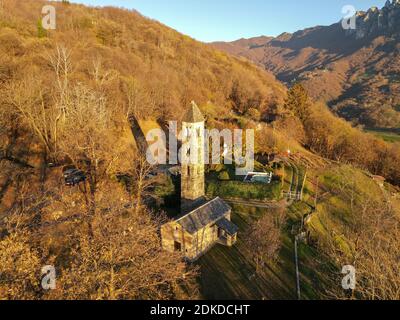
column 354, row 71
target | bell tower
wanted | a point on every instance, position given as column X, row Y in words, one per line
column 192, row 157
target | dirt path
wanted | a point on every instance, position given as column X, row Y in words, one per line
column 256, row 204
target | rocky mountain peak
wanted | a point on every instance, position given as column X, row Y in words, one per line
column 377, row 21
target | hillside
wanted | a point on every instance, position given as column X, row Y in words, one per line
column 71, row 97
column 76, row 102
column 354, row 71
column 171, row 68
column 143, row 67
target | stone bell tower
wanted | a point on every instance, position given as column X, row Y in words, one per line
column 192, row 157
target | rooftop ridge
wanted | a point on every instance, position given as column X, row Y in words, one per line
column 198, row 208
column 193, row 115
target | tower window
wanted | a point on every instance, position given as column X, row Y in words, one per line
column 177, row 246
column 187, row 132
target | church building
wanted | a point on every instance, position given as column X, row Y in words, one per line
column 202, row 223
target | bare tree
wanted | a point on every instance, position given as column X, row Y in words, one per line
column 366, row 240
column 60, row 61
column 100, row 75
column 264, row 240
column 20, row 260
column 33, row 105
column 141, row 180
column 137, row 102
column 123, row 259
column 27, row 98
column 19, row 268
column 86, row 141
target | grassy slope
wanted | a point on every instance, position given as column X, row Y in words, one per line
column 169, row 69
column 333, row 211
column 228, row 273
column 243, row 190
column 387, row 136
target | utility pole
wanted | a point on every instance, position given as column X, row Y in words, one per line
column 297, row 268
column 316, row 194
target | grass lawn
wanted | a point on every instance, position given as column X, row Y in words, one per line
column 386, row 135
column 288, row 177
column 234, row 187
column 243, row 190
column 228, row 273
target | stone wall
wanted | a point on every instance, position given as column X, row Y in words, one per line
column 193, row 175
column 204, row 240
column 173, row 232
column 192, row 246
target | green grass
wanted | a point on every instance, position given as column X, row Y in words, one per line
column 334, row 213
column 388, row 136
column 229, row 273
column 288, row 178
column 243, row 190
column 215, row 170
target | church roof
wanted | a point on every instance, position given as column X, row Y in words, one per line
column 201, row 217
column 228, row 226
column 193, row 115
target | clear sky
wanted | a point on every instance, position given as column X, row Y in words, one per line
column 227, row 20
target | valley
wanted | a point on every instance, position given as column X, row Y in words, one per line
column 353, row 71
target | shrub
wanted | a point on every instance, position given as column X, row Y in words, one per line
column 224, row 176
column 42, row 33
column 165, row 187
column 254, row 114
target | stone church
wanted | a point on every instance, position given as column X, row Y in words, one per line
column 202, row 223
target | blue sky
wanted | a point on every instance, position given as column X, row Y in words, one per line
column 227, row 20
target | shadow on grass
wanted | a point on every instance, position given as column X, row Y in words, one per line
column 229, row 273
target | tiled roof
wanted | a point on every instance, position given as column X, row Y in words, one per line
column 228, row 226
column 193, row 115
column 201, row 217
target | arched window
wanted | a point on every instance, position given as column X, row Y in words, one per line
column 186, row 132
